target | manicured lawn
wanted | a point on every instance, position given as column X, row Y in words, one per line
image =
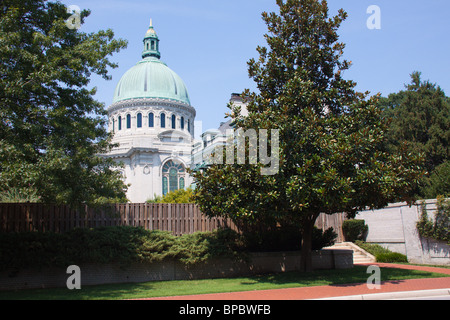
column 174, row 288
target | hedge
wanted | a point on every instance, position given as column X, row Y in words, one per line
column 122, row 245
column 126, row 244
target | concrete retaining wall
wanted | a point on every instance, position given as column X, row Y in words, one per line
column 93, row 274
column 395, row 228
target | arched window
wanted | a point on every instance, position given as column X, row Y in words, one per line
column 174, row 122
column 173, row 177
column 182, row 123
column 189, row 126
column 120, row 123
column 151, row 120
column 128, row 121
column 113, row 125
column 163, row 120
column 139, row 120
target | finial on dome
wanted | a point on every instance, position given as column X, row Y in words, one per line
column 151, row 23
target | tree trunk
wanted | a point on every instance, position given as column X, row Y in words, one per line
column 306, row 250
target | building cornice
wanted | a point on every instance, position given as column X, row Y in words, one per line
column 129, row 152
column 151, row 102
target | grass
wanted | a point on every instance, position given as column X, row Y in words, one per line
column 175, row 288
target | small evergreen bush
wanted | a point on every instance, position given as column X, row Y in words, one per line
column 354, row 230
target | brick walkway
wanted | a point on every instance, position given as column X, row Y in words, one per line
column 333, row 290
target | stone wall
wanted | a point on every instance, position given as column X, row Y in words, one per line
column 395, row 228
column 94, row 274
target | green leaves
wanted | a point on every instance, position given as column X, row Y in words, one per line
column 439, row 227
column 178, row 196
column 122, row 245
column 51, row 126
column 332, row 138
column 420, row 123
column 333, row 155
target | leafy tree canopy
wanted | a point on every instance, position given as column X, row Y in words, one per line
column 420, row 122
column 52, row 129
column 332, row 139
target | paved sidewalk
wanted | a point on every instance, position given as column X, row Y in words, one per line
column 321, row 292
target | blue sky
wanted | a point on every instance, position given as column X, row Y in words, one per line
column 208, row 43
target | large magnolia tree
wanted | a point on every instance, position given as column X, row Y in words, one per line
column 332, row 155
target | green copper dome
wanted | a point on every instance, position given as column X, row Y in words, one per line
column 151, row 78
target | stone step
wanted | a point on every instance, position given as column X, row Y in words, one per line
column 360, row 256
column 362, row 260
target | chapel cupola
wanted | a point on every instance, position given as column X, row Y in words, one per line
column 151, row 43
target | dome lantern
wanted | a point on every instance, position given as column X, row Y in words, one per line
column 151, row 43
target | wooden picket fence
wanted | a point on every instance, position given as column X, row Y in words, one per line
column 335, row 221
column 178, row 219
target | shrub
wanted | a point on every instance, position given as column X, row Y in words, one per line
column 202, row 246
column 287, row 238
column 17, row 195
column 33, row 249
column 263, row 238
column 372, row 248
column 354, row 230
column 391, row 257
column 381, row 254
column 178, row 196
column 122, row 245
column 125, row 244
